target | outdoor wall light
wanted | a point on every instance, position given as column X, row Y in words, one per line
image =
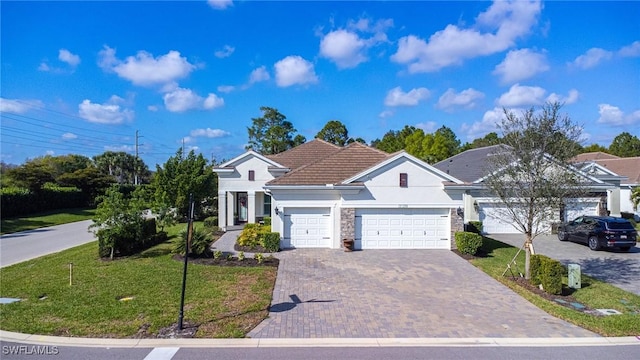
column 277, row 211
column 476, row 207
column 459, row 211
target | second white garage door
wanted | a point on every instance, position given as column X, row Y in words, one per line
column 402, row 229
column 307, row 228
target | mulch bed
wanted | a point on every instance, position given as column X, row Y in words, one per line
column 223, row 261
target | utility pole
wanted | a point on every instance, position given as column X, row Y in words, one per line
column 135, row 166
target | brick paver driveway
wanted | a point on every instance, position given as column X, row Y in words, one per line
column 397, row 293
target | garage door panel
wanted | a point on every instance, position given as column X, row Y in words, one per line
column 307, row 227
column 402, row 229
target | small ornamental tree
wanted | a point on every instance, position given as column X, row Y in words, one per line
column 531, row 174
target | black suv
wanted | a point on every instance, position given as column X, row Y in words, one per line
column 600, row 232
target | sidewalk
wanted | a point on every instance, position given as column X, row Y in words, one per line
column 318, row 342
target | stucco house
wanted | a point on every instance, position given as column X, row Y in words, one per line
column 318, row 194
column 471, row 168
column 623, row 172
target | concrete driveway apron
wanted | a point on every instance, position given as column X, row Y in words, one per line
column 397, row 293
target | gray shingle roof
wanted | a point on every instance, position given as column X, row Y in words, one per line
column 469, row 165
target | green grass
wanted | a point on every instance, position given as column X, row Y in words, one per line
column 51, row 218
column 594, row 293
column 223, row 301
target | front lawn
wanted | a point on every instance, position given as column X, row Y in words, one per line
column 50, row 218
column 594, row 294
column 223, row 301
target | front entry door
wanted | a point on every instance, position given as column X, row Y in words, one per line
column 243, row 213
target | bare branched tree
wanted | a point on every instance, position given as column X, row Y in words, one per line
column 531, row 173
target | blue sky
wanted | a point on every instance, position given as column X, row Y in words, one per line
column 83, row 77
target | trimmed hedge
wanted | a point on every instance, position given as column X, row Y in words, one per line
column 271, row 241
column 467, row 242
column 211, row 222
column 19, row 202
column 548, row 273
column 474, row 227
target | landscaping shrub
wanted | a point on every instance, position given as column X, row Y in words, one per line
column 474, row 227
column 200, row 243
column 19, row 201
column 250, row 235
column 271, row 241
column 467, row 242
column 547, row 272
column 267, row 220
column 211, row 223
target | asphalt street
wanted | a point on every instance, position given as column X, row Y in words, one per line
column 26, row 245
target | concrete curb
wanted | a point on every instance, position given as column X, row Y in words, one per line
column 324, row 342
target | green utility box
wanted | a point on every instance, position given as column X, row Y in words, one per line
column 575, row 279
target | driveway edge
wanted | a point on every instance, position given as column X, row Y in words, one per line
column 9, row 336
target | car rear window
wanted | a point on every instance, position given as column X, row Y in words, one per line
column 620, row 225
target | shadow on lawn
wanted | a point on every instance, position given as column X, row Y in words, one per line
column 489, row 245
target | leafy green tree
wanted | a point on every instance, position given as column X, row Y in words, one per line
column 272, row 133
column 530, row 174
column 393, row 141
column 635, row 196
column 445, row 144
column 32, row 175
column 334, row 132
column 595, row 148
column 181, row 176
column 123, row 167
column 118, row 219
column 358, row 139
column 90, row 180
column 490, row 139
column 625, row 145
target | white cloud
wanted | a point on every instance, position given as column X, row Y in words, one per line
column 509, row 20
column 181, row 100
column 522, row 96
column 226, row 51
column 226, row 88
column 632, row 50
column 120, row 148
column 571, row 98
column 427, row 127
column 210, row 133
column 488, row 124
column 220, row 4
column 152, row 108
column 69, row 136
column 16, row 106
column 386, row 114
column 521, row 64
column 396, row 97
column 591, row 58
column 294, row 70
column 50, row 152
column 612, row 115
column 258, row 75
column 213, row 101
column 66, row 56
column 44, row 67
column 344, row 48
column 145, row 70
column 466, row 99
column 347, row 47
column 107, row 113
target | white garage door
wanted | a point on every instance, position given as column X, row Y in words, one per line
column 402, row 229
column 307, row 227
column 573, row 209
column 497, row 220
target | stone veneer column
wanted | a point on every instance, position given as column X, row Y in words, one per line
column 347, row 223
column 457, row 224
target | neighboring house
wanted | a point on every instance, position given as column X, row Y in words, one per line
column 318, row 194
column 622, row 172
column 472, row 166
